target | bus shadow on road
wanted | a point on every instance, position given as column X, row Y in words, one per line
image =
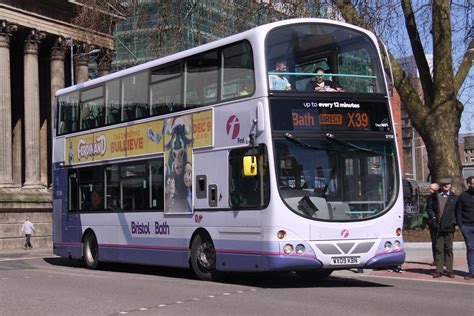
column 294, row 280
column 125, row 268
column 261, row 279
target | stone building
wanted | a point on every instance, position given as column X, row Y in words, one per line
column 41, row 51
column 466, row 152
column 415, row 156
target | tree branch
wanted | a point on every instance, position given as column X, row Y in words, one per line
column 464, row 67
column 417, row 111
column 418, row 52
column 350, row 14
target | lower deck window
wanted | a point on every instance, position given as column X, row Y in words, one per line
column 133, row 186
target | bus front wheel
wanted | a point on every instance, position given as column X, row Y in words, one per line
column 203, row 258
column 90, row 252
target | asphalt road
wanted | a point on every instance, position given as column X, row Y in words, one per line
column 40, row 284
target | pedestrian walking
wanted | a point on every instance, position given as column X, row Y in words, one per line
column 442, row 210
column 28, row 228
column 465, row 221
column 434, row 187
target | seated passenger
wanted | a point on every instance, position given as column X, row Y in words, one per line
column 319, row 84
column 279, row 82
column 96, row 200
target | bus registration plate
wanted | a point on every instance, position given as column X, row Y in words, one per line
column 345, row 260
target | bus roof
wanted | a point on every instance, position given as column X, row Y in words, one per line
column 259, row 31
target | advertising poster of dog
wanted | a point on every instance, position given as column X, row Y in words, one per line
column 178, row 143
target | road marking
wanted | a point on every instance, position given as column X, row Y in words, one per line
column 194, row 299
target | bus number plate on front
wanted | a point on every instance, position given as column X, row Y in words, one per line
column 345, row 260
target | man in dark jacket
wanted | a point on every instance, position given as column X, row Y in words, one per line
column 432, row 223
column 442, row 209
column 465, row 221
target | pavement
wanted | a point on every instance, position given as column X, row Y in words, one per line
column 417, row 264
column 418, row 261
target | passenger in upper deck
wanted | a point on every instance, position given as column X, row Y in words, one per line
column 319, row 84
column 279, row 82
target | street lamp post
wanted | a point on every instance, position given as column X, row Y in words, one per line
column 94, row 51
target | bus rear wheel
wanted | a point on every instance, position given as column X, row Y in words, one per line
column 90, row 252
column 203, row 258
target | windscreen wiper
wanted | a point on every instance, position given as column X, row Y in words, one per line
column 298, row 142
column 307, row 206
column 330, row 137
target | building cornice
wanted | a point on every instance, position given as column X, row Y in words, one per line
column 55, row 27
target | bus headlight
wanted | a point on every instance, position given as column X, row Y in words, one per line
column 300, row 249
column 396, row 245
column 388, row 246
column 287, row 249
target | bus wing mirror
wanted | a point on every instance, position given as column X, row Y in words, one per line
column 250, row 166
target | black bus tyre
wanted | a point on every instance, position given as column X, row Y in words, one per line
column 203, row 258
column 90, row 252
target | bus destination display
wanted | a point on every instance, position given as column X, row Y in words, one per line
column 322, row 116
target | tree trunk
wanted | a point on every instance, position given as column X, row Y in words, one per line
column 441, row 139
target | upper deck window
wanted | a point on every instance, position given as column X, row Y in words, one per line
column 92, row 108
column 322, row 58
column 202, row 74
column 135, row 96
column 165, row 89
column 238, row 73
column 221, row 74
column 68, row 113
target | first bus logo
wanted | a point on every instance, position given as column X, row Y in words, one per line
column 233, row 126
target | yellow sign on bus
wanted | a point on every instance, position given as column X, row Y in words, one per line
column 134, row 140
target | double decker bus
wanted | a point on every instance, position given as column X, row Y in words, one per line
column 200, row 159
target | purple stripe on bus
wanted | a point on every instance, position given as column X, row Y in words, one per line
column 144, row 247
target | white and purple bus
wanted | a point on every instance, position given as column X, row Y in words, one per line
column 200, row 159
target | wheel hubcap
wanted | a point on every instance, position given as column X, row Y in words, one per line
column 206, row 255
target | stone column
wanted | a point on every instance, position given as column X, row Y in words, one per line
column 32, row 111
column 6, row 171
column 58, row 54
column 104, row 61
column 81, row 64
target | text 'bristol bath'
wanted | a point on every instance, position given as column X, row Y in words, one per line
column 149, row 228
